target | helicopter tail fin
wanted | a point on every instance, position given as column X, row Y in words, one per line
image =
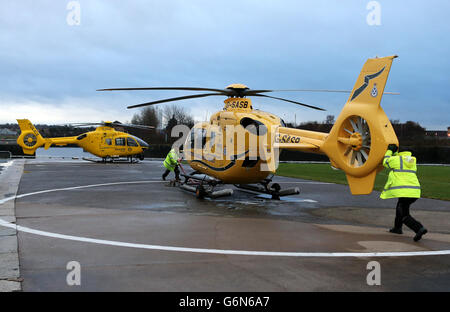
column 359, row 138
column 30, row 138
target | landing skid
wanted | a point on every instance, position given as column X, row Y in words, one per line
column 117, row 160
column 267, row 187
column 202, row 185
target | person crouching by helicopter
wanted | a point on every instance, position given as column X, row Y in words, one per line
column 403, row 184
column 171, row 164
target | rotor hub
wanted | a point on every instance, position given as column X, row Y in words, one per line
column 356, row 141
column 238, row 90
column 236, row 86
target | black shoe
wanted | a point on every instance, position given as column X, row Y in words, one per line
column 420, row 233
column 396, row 231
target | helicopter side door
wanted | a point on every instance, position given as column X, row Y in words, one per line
column 212, row 145
column 120, row 146
column 132, row 146
column 106, row 143
column 205, row 144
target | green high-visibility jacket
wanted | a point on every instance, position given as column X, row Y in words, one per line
column 402, row 180
column 171, row 160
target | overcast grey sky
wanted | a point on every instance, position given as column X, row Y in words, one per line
column 50, row 70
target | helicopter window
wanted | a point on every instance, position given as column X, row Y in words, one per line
column 203, row 137
column 120, row 141
column 192, row 138
column 108, row 141
column 81, row 137
column 212, row 138
column 253, row 126
column 197, row 136
column 142, row 143
column 131, row 142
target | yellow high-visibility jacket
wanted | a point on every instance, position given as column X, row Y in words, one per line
column 171, row 160
column 402, row 180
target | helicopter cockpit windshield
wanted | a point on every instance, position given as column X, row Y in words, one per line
column 142, row 143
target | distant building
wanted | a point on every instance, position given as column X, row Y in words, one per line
column 7, row 132
column 438, row 133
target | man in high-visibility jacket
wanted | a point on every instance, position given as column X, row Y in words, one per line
column 403, row 184
column 171, row 164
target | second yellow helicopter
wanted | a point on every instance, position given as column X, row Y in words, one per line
column 105, row 142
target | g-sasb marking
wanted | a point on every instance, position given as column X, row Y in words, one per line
column 237, row 104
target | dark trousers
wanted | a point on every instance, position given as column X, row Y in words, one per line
column 402, row 215
column 176, row 170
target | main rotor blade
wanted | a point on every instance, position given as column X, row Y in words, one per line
column 253, row 92
column 168, row 88
column 230, row 91
column 175, row 99
column 277, row 98
column 133, row 126
column 85, row 124
column 109, row 124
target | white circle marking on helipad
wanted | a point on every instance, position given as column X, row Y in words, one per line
column 24, row 229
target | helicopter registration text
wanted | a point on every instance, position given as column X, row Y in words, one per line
column 237, row 104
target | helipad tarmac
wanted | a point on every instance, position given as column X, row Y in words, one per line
column 130, row 231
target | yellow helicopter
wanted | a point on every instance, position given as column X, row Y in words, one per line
column 356, row 143
column 105, row 142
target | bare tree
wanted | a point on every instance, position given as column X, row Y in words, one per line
column 148, row 116
column 329, row 120
column 172, row 113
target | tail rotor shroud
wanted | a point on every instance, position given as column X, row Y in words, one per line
column 30, row 140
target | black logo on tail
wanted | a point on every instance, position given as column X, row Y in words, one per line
column 366, row 83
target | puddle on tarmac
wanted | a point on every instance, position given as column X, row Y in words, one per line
column 240, row 204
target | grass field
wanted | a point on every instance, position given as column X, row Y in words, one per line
column 434, row 180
